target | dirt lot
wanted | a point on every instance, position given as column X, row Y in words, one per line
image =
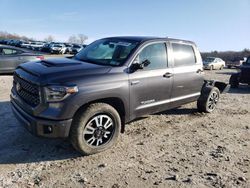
column 177, row 148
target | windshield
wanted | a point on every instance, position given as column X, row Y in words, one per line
column 248, row 61
column 112, row 52
column 76, row 46
column 57, row 45
column 209, row 59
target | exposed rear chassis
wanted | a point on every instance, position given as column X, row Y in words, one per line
column 222, row 86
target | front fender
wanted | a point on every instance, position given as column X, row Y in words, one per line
column 91, row 93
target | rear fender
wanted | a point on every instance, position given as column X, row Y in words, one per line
column 222, row 86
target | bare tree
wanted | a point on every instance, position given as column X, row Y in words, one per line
column 73, row 39
column 49, row 38
column 78, row 39
column 82, row 38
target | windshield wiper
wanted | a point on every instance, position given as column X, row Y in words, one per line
column 89, row 61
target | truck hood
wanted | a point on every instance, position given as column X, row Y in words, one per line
column 59, row 69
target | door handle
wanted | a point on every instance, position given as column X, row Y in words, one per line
column 199, row 71
column 135, row 82
column 168, row 75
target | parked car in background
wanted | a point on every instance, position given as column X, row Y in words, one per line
column 25, row 44
column 56, row 48
column 243, row 76
column 37, row 46
column 236, row 63
column 19, row 43
column 66, row 48
column 3, row 41
column 75, row 49
column 213, row 63
column 46, row 47
column 30, row 45
column 10, row 42
column 11, row 57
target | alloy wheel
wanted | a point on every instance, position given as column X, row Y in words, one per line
column 99, row 130
column 212, row 101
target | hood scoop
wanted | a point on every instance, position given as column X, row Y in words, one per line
column 51, row 63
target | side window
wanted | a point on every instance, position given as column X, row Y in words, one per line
column 183, row 55
column 7, row 51
column 156, row 54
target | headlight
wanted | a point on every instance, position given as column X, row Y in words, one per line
column 59, row 93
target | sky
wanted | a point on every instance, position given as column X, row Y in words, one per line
column 212, row 24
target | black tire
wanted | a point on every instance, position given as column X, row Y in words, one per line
column 208, row 100
column 86, row 135
column 221, row 67
column 229, row 66
column 211, row 67
column 234, row 81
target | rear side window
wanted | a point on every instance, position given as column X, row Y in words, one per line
column 156, row 54
column 183, row 55
column 7, row 51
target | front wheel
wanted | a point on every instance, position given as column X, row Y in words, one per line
column 208, row 100
column 95, row 129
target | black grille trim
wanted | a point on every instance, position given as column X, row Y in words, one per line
column 28, row 91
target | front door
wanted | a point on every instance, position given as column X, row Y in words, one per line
column 8, row 59
column 150, row 87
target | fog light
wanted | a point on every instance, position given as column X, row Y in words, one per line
column 47, row 129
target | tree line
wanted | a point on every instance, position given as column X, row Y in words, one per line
column 6, row 35
column 228, row 55
column 81, row 39
column 78, row 39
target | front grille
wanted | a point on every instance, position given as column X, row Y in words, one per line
column 29, row 92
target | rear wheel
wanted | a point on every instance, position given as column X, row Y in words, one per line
column 95, row 129
column 229, row 66
column 234, row 81
column 208, row 100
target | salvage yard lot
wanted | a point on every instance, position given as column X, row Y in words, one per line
column 176, row 148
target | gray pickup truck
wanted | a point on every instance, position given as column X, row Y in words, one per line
column 91, row 96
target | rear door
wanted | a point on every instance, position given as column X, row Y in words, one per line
column 188, row 73
column 150, row 87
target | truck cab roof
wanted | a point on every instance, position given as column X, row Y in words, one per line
column 149, row 38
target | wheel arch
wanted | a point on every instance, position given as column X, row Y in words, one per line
column 115, row 102
column 222, row 86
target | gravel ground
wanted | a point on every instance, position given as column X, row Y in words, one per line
column 176, row 148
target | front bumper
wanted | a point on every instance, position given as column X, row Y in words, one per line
column 55, row 51
column 41, row 127
column 206, row 67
